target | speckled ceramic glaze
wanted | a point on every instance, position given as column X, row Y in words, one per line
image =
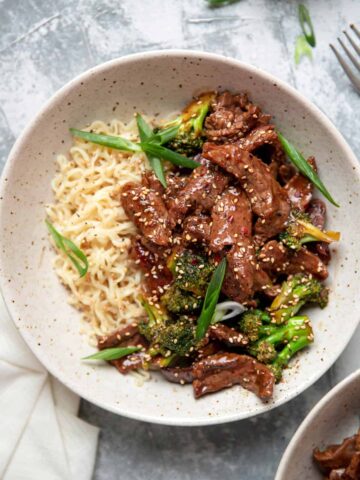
column 334, row 418
column 158, row 83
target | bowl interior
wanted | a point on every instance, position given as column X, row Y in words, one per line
column 333, row 419
column 158, row 83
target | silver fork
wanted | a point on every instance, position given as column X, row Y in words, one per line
column 355, row 79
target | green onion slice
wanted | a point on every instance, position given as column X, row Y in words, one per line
column 306, row 25
column 112, row 353
column 74, row 253
column 146, row 134
column 110, row 141
column 166, row 154
column 299, row 161
column 302, row 49
column 211, row 299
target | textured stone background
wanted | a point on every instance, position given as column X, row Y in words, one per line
column 45, row 43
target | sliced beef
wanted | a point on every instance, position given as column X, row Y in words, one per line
column 238, row 283
column 223, row 370
column 118, row 336
column 300, row 189
column 232, row 117
column 286, row 172
column 201, row 190
column 149, row 180
column 180, row 375
column 196, row 229
column 352, row 472
column 147, row 210
column 231, row 219
column 131, row 362
column 277, row 259
column 228, row 335
column 336, row 456
column 317, row 213
column 152, row 261
column 268, row 199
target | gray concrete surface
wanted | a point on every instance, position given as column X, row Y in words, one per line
column 44, row 43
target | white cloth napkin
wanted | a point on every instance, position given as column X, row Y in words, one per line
column 41, row 437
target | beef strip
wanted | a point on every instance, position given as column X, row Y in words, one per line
column 317, row 213
column 196, row 229
column 152, row 261
column 336, row 456
column 149, row 180
column 231, row 219
column 178, row 374
column 300, row 189
column 147, row 210
column 228, row 335
column 352, row 472
column 277, row 259
column 125, row 337
column 239, row 278
column 232, row 117
column 201, row 190
column 224, row 370
column 286, row 172
column 268, row 199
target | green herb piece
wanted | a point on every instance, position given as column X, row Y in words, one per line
column 110, row 141
column 302, row 49
column 164, row 136
column 211, row 299
column 220, row 3
column 112, row 353
column 306, row 25
column 146, row 134
column 299, row 161
column 166, row 154
column 74, row 253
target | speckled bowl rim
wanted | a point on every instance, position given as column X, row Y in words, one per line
column 314, row 412
column 146, row 56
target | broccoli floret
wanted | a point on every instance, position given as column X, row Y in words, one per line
column 179, row 301
column 177, row 337
column 192, row 271
column 190, row 138
column 157, row 319
column 295, row 334
column 303, row 337
column 300, row 230
column 295, row 292
column 255, row 324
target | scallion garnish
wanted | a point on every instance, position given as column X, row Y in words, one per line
column 111, row 141
column 211, row 299
column 306, row 25
column 74, row 253
column 299, row 161
column 112, row 353
column 302, row 49
column 150, row 147
column 146, row 133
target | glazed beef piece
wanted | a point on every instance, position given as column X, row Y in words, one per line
column 180, row 375
column 339, row 456
column 125, row 337
column 317, row 213
column 233, row 116
column 231, row 219
column 300, row 189
column 239, row 278
column 201, row 190
column 223, row 370
column 196, row 229
column 147, row 210
column 228, row 335
column 277, row 259
column 268, row 199
column 152, row 261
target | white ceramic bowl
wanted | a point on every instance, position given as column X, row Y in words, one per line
column 161, row 82
column 334, row 418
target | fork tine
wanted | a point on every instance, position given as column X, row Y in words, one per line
column 355, row 29
column 349, row 54
column 355, row 81
column 356, row 47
